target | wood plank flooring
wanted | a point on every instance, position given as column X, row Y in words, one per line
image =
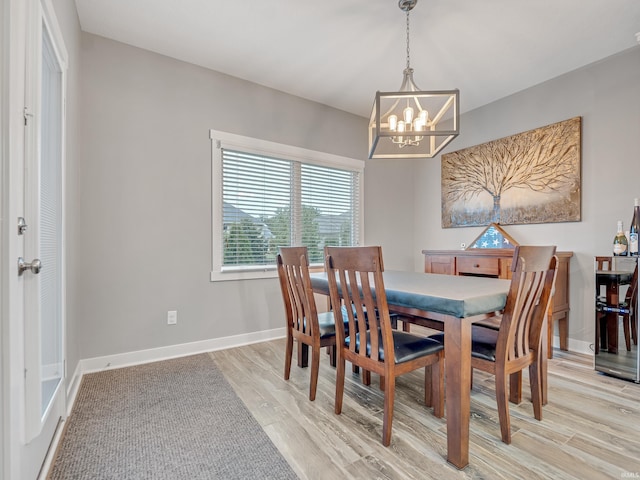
column 590, row 427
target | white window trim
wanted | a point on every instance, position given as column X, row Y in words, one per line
column 220, row 140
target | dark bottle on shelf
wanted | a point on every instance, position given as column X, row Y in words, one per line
column 634, row 229
column 620, row 244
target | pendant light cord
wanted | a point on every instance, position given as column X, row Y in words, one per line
column 408, row 65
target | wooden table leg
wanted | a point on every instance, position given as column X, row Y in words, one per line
column 457, row 340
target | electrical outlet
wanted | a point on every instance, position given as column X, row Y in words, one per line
column 172, row 317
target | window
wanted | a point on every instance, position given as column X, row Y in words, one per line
column 268, row 195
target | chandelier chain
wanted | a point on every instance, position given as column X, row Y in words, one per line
column 408, row 62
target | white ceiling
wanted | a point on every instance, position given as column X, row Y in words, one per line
column 340, row 52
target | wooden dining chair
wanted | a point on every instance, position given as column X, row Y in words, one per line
column 356, row 281
column 516, row 343
column 304, row 323
column 603, row 263
column 628, row 306
column 630, row 324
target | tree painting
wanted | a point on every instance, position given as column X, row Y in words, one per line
column 531, row 177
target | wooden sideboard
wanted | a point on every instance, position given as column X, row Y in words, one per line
column 497, row 263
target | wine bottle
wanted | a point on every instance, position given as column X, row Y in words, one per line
column 634, row 229
column 620, row 244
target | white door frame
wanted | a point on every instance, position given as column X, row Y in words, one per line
column 14, row 44
column 3, row 242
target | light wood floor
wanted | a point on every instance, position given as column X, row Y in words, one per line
column 590, row 427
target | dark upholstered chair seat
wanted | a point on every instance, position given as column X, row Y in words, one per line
column 327, row 325
column 393, row 316
column 483, row 342
column 406, row 346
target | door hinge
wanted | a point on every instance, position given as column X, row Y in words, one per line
column 27, row 115
column 22, row 226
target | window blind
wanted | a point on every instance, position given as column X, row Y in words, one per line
column 270, row 202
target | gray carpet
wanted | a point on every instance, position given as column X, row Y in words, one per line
column 176, row 419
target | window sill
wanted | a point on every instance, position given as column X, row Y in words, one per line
column 253, row 273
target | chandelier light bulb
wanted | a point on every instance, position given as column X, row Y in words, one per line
column 407, row 113
column 393, row 123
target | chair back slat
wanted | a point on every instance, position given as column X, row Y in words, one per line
column 527, row 302
column 295, row 283
column 369, row 305
column 604, row 263
column 355, row 282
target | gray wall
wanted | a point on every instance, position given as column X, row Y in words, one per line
column 607, row 97
column 145, row 238
column 144, row 242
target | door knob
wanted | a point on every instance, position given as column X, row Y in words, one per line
column 35, row 266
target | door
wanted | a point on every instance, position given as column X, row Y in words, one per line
column 43, row 241
column 26, row 432
column 41, row 269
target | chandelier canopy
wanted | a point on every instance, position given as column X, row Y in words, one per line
column 412, row 123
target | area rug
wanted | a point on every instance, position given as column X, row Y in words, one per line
column 175, row 419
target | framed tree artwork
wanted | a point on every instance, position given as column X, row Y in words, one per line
column 530, row 177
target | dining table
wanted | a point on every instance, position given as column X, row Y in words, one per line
column 454, row 303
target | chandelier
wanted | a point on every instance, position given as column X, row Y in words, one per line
column 412, row 123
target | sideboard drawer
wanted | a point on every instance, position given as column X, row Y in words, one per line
column 478, row 266
column 442, row 264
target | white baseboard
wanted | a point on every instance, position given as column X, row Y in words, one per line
column 577, row 346
column 73, row 387
column 120, row 360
